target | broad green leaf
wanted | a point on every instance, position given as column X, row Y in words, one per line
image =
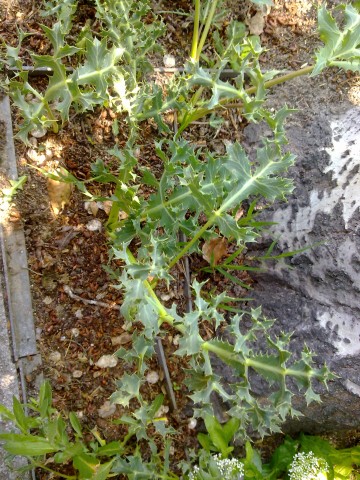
column 283, row 456
column 27, row 445
column 230, row 429
column 217, row 435
column 110, row 449
column 102, row 472
column 20, row 417
column 342, row 45
column 45, row 399
column 75, row 423
column 86, row 465
column 69, row 452
column 205, row 441
column 6, row 413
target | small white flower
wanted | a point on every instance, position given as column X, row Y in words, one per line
column 305, row 466
column 230, row 469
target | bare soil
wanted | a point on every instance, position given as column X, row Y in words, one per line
column 66, row 257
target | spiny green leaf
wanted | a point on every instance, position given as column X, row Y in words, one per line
column 128, row 387
column 342, row 47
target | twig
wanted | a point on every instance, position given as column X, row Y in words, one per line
column 162, row 362
column 72, row 295
column 182, row 238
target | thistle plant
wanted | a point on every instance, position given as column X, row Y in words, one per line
column 198, row 192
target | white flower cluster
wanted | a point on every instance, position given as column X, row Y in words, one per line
column 305, row 466
column 230, row 469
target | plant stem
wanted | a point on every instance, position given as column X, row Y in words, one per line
column 206, row 29
column 195, row 37
column 226, row 103
column 163, row 314
column 43, row 467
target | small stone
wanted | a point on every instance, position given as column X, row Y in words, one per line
column 54, row 357
column 36, row 157
column 94, row 225
column 78, row 313
column 176, row 340
column 77, row 374
column 38, row 132
column 38, row 333
column 192, row 423
column 121, row 339
column 33, row 141
column 152, row 377
column 163, row 410
column 75, row 332
column 47, row 300
column 107, row 361
column 169, row 61
column 107, row 410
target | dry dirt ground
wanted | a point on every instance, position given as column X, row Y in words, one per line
column 76, row 302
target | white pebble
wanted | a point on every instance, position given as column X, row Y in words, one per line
column 54, row 357
column 38, row 132
column 94, row 225
column 106, row 410
column 106, row 361
column 75, row 332
column 192, row 423
column 169, row 61
column 77, row 373
column 152, row 377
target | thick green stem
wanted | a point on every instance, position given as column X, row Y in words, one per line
column 195, row 37
column 206, row 28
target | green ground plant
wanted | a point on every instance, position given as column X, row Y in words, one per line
column 49, row 440
column 197, row 193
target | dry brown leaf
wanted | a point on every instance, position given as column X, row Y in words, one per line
column 214, row 249
column 239, row 214
column 59, row 193
column 91, row 207
column 106, row 206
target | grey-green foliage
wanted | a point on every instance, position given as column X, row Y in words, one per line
column 115, row 61
column 342, row 43
column 197, row 192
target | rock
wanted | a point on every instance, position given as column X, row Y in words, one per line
column 318, row 298
column 94, row 225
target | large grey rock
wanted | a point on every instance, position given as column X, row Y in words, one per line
column 316, row 293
